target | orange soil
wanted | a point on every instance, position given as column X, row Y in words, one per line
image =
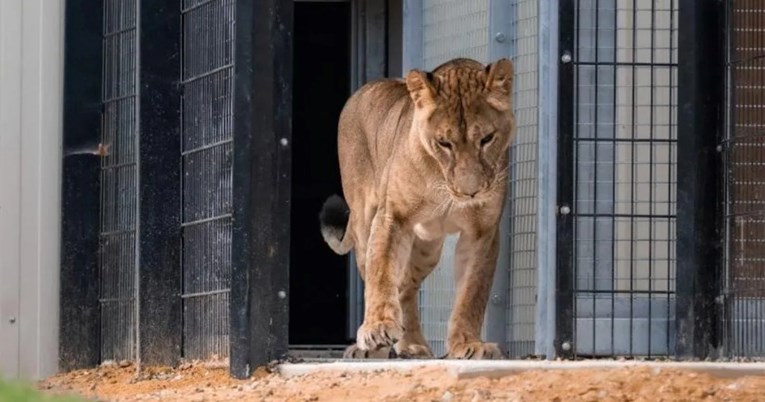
column 200, row 382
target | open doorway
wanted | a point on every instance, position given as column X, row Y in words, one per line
column 322, row 76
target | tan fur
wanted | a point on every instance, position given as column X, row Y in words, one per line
column 414, row 169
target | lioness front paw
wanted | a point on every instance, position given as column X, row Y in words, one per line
column 406, row 350
column 354, row 352
column 400, row 350
column 475, row 351
column 377, row 334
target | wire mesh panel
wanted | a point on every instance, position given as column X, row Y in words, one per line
column 624, row 176
column 119, row 182
column 451, row 29
column 523, row 183
column 207, row 129
column 745, row 168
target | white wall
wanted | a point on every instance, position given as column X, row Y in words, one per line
column 31, row 76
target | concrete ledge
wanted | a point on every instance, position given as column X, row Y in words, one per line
column 468, row 369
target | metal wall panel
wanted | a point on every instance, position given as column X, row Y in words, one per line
column 31, row 94
column 744, row 145
column 119, row 182
column 522, row 197
column 624, row 176
column 207, row 134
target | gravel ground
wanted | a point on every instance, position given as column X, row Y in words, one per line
column 211, row 383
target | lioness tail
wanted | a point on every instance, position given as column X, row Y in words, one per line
column 334, row 224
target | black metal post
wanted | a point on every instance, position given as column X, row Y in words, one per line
column 262, row 159
column 700, row 115
column 564, row 283
column 159, row 182
column 79, row 337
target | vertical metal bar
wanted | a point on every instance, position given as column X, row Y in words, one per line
column 728, row 333
column 261, row 183
column 564, row 338
column 633, row 186
column 412, row 36
column 673, row 103
column 595, row 146
column 79, row 316
column 614, row 160
column 651, row 205
column 699, row 118
column 547, row 149
column 159, row 221
column 496, row 319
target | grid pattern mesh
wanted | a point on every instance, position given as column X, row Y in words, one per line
column 119, row 183
column 207, row 135
column 745, row 167
column 523, row 184
column 625, row 148
column 452, row 28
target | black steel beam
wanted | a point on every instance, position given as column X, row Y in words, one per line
column 79, row 336
column 701, row 57
column 160, row 332
column 261, row 187
column 564, row 282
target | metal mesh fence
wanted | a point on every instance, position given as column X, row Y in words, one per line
column 119, row 182
column 523, row 183
column 745, row 174
column 207, row 130
column 625, row 176
column 453, row 28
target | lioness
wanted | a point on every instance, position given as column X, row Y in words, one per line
column 421, row 158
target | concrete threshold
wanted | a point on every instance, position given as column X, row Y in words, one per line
column 475, row 368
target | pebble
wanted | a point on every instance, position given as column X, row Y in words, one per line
column 447, row 397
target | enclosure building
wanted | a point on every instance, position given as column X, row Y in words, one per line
column 163, row 163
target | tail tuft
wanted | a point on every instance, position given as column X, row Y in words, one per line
column 334, row 218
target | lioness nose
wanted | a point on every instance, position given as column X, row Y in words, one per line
column 469, row 192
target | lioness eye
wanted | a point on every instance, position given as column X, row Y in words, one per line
column 444, row 144
column 487, row 139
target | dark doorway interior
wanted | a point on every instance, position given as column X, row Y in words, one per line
column 318, row 276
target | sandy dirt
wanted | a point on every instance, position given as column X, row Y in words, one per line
column 204, row 382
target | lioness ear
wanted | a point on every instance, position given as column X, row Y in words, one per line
column 421, row 89
column 499, row 76
column 499, row 82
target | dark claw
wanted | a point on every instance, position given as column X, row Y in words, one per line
column 392, row 354
column 366, row 354
column 470, row 353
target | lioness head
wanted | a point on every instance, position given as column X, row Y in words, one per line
column 464, row 120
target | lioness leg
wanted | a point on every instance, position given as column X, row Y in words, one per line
column 424, row 258
column 388, row 251
column 475, row 262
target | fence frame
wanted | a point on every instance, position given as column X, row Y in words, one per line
column 261, row 184
column 262, row 160
column 699, row 177
column 564, row 278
